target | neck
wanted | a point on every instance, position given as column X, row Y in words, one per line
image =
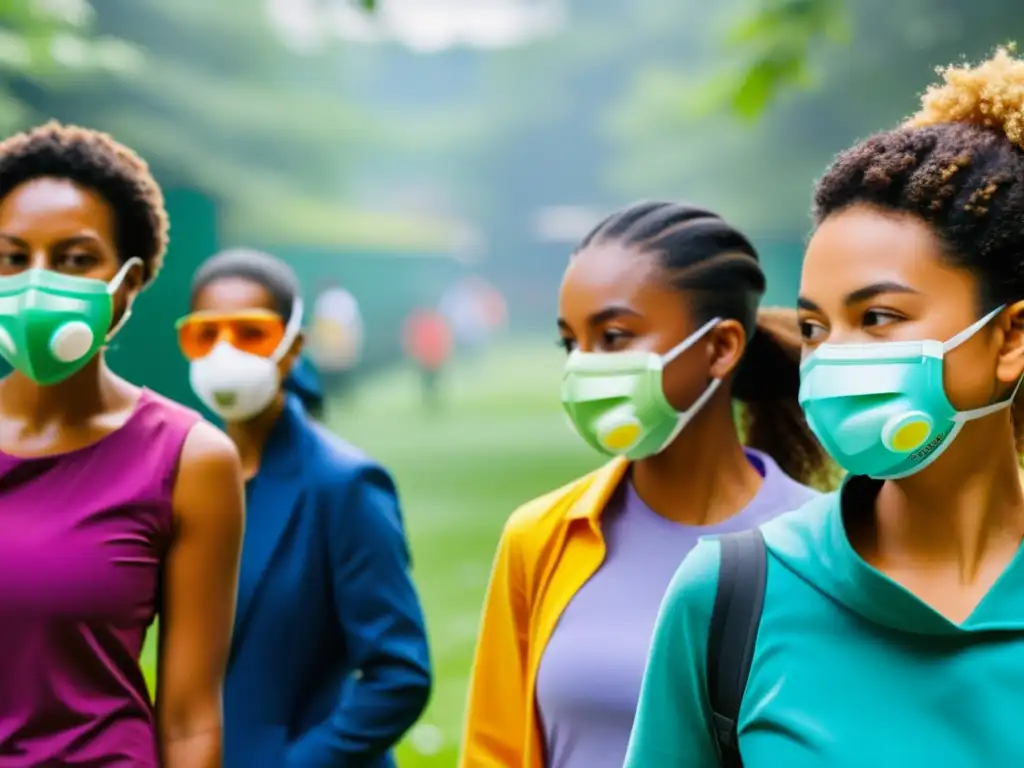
column 250, row 436
column 703, row 477
column 78, row 398
column 959, row 509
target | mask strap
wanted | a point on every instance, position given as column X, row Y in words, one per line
column 685, row 417
column 291, row 331
column 112, row 287
column 979, row 413
column 689, row 341
column 972, row 329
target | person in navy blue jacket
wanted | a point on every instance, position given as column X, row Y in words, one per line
column 329, row 663
column 304, row 381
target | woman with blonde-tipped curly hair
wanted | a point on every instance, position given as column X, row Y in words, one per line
column 892, row 628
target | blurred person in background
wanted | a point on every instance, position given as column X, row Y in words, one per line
column 658, row 315
column 329, row 665
column 428, row 340
column 115, row 504
column 472, row 313
column 892, row 631
column 336, row 339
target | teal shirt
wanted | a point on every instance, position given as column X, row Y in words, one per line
column 849, row 669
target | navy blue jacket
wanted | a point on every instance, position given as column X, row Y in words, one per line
column 329, row 663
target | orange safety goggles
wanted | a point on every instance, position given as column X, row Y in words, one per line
column 256, row 331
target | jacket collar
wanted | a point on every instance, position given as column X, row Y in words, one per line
column 282, row 455
column 603, row 483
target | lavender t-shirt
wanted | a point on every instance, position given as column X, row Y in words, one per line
column 588, row 685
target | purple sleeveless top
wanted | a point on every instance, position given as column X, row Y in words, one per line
column 82, row 538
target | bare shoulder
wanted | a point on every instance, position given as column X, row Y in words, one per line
column 207, row 449
column 209, row 472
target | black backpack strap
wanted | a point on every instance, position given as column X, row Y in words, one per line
column 742, row 579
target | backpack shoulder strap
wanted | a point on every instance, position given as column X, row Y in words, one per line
column 736, row 616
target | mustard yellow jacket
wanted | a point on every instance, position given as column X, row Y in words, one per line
column 549, row 549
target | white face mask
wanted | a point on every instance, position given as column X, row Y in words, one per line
column 237, row 385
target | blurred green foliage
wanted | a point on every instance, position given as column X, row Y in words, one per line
column 777, row 41
column 210, row 93
column 762, row 93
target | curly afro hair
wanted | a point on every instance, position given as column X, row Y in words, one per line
column 97, row 162
column 958, row 164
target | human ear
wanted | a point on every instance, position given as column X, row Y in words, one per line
column 1010, row 366
column 726, row 343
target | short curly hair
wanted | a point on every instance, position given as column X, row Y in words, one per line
column 958, row 165
column 96, row 161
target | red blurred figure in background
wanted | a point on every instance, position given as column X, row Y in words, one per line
column 428, row 342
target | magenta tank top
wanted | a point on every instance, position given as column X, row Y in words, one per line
column 82, row 539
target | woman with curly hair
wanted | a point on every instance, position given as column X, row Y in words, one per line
column 115, row 504
column 891, row 622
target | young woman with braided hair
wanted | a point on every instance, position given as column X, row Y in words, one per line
column 892, row 631
column 659, row 317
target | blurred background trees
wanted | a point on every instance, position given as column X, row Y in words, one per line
column 724, row 102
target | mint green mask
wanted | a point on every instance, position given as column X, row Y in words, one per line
column 616, row 401
column 881, row 409
column 52, row 324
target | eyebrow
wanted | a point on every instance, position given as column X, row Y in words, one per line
column 860, row 295
column 602, row 316
column 73, row 240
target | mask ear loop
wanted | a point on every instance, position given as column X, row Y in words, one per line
column 960, row 338
column 970, row 330
column 685, row 417
column 291, row 331
column 113, row 287
column 689, row 341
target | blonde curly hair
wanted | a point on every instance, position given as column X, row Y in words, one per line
column 990, row 95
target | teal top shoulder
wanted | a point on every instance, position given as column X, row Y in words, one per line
column 849, row 669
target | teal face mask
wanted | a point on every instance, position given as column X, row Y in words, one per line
column 52, row 324
column 617, row 404
column 881, row 409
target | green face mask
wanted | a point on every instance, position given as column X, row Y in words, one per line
column 617, row 404
column 51, row 324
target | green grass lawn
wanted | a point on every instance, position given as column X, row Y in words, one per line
column 499, row 440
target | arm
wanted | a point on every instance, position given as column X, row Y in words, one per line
column 200, row 580
column 385, row 637
column 672, row 728
column 495, row 722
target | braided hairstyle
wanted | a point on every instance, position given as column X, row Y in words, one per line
column 94, row 160
column 958, row 164
column 718, row 269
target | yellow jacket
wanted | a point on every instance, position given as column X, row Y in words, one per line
column 549, row 549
